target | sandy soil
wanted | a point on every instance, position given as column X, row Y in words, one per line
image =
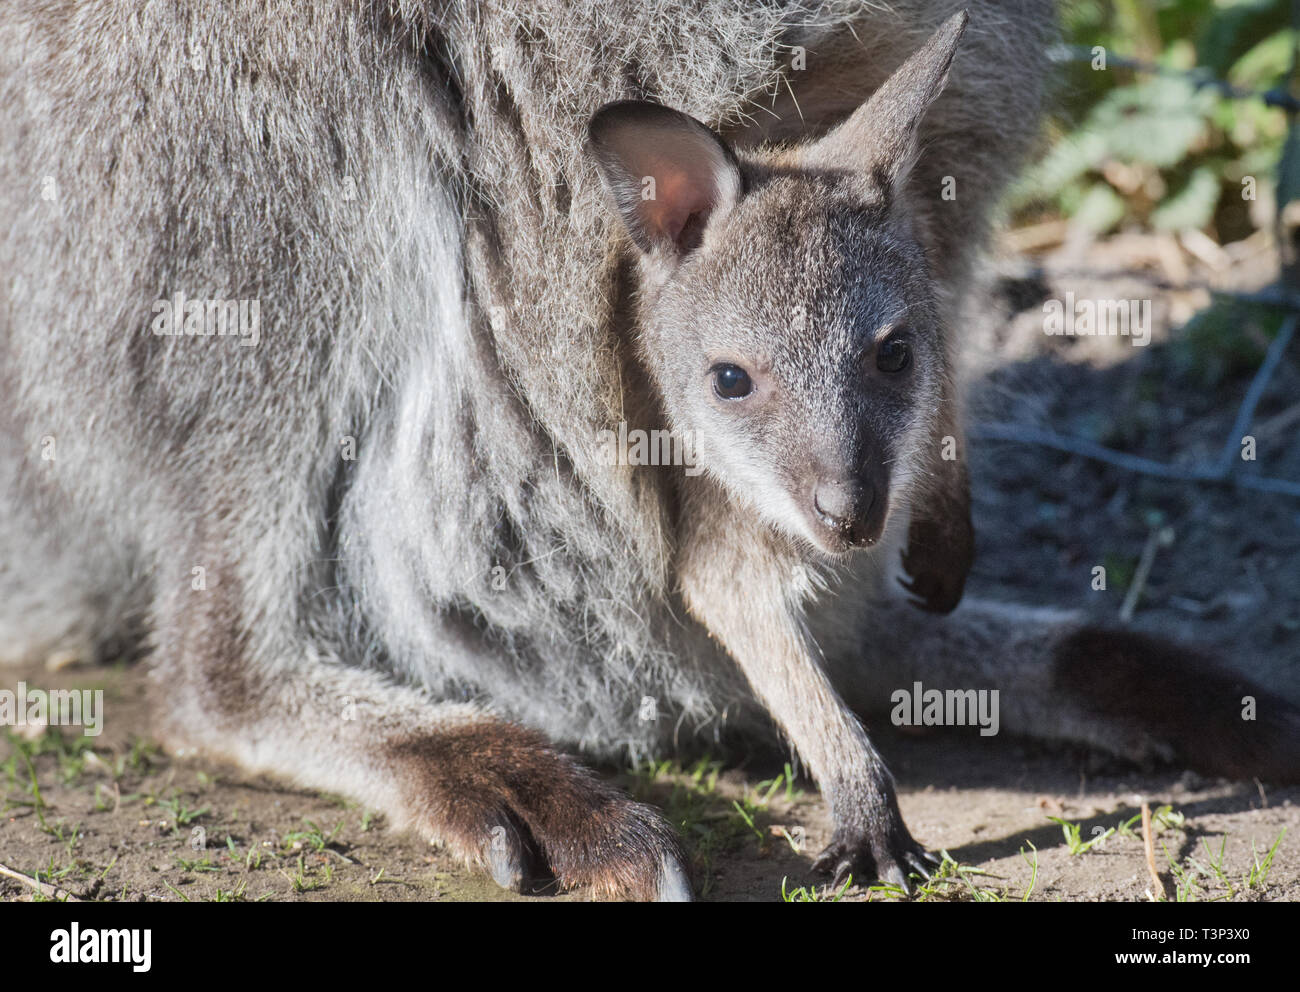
column 131, row 823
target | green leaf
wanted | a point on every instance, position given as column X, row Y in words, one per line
column 1156, row 121
column 1266, row 64
column 1235, row 29
column 1192, row 206
column 1101, row 209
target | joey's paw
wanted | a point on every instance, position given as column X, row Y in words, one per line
column 875, row 855
column 931, row 592
column 506, row 801
column 937, row 559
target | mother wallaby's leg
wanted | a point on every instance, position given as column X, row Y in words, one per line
column 69, row 589
column 273, row 697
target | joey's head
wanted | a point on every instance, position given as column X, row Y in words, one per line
column 785, row 308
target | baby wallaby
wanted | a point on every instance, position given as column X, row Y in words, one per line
column 787, row 317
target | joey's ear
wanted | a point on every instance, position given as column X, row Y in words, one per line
column 880, row 137
column 667, row 173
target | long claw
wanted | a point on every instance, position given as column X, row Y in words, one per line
column 843, row 873
column 917, row 863
column 673, row 886
column 507, row 861
column 895, row 876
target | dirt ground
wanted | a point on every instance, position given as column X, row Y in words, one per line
column 130, row 823
column 113, row 818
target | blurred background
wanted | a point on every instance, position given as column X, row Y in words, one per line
column 1169, row 175
column 1167, row 150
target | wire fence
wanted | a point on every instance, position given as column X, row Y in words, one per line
column 1199, row 78
column 1226, row 467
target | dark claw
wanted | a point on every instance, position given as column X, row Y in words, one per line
column 917, row 862
column 833, row 862
column 890, row 858
column 894, row 876
column 843, row 874
column 929, row 595
column 826, row 861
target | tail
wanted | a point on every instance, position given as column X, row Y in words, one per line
column 1061, row 679
column 1190, row 707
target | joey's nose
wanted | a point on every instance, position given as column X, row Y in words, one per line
column 845, row 506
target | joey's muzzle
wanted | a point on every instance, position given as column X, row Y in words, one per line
column 849, row 512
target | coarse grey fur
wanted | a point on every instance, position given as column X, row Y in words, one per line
column 445, row 293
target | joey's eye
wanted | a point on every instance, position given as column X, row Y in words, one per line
column 731, row 382
column 893, row 355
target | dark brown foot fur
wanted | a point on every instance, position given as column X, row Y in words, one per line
column 502, row 797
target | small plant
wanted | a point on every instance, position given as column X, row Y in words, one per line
column 1125, row 828
column 300, row 882
column 812, row 894
column 1167, row 819
column 182, row 815
column 950, row 881
column 139, row 759
column 1207, row 879
column 235, row 895
column 1213, row 866
column 1165, row 150
column 202, row 865
column 1257, row 876
column 1074, row 836
column 313, row 838
column 183, row 896
column 1033, row 867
